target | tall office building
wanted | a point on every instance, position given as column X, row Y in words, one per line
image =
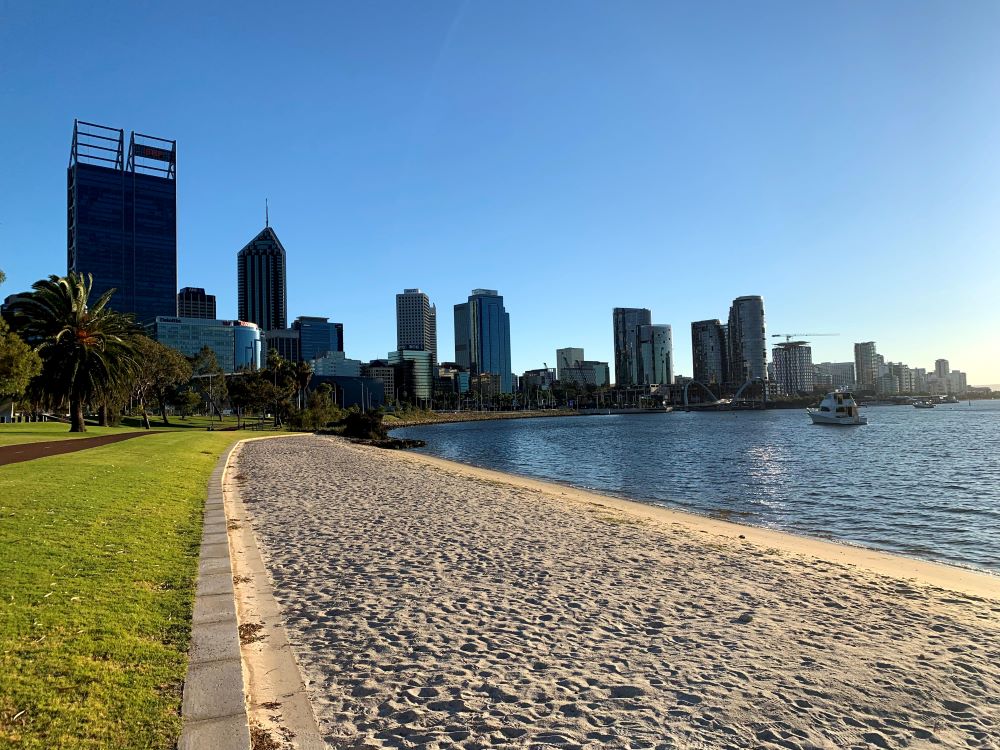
column 866, row 365
column 416, row 323
column 747, row 340
column 122, row 218
column 192, row 302
column 709, row 352
column 942, row 368
column 318, row 337
column 793, row 367
column 482, row 337
column 263, row 293
column 626, row 322
column 656, row 355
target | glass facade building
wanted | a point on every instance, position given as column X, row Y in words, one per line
column 414, row 374
column 122, row 218
column 708, row 352
column 262, row 286
column 656, row 355
column 747, row 340
column 236, row 344
column 626, row 322
column 318, row 336
column 482, row 337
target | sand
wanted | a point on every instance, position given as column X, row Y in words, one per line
column 431, row 605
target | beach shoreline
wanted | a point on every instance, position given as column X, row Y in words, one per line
column 958, row 578
column 439, row 606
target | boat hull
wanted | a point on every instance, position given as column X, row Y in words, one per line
column 843, row 421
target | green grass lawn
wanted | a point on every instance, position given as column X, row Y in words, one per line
column 99, row 555
column 38, row 432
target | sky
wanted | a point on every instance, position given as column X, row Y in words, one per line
column 841, row 159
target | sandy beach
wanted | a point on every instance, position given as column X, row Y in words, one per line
column 432, row 605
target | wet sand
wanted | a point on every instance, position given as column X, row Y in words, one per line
column 432, row 605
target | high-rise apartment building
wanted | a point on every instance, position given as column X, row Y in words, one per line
column 192, row 302
column 866, row 365
column 709, row 352
column 942, row 368
column 626, row 322
column 122, row 218
column 482, row 337
column 416, row 323
column 656, row 355
column 747, row 340
column 263, row 292
column 793, row 367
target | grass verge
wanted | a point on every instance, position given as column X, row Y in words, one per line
column 100, row 553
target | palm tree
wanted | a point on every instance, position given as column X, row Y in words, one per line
column 85, row 349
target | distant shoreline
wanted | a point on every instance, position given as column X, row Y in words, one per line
column 475, row 416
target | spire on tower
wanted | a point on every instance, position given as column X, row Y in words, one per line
column 267, row 221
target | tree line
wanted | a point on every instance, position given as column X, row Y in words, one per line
column 62, row 353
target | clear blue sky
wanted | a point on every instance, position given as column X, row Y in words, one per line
column 841, row 159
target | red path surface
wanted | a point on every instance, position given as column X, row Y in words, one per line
column 12, row 454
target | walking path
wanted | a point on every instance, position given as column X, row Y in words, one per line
column 12, row 454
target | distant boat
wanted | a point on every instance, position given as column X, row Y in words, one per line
column 923, row 404
column 837, row 407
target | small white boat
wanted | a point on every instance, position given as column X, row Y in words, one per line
column 923, row 404
column 837, row 407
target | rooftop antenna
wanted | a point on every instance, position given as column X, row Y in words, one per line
column 267, row 221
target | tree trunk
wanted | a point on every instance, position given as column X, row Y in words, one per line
column 163, row 412
column 102, row 415
column 76, row 416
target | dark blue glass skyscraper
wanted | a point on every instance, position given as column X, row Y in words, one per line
column 482, row 336
column 122, row 218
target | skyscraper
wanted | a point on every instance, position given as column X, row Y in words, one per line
column 656, row 355
column 122, row 218
column 192, row 302
column 866, row 365
column 482, row 336
column 262, row 292
column 626, row 322
column 416, row 323
column 709, row 352
column 942, row 368
column 747, row 340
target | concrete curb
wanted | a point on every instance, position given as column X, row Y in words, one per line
column 277, row 699
column 214, row 707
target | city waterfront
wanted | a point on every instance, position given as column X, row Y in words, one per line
column 922, row 483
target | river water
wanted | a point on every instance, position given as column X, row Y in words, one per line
column 919, row 482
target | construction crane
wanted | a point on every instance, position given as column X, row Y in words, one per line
column 790, row 336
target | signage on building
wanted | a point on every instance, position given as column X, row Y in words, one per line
column 153, row 152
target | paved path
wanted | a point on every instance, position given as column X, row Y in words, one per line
column 12, row 454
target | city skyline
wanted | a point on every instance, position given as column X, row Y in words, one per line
column 883, row 168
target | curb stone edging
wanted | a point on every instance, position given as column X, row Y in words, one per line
column 214, row 706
